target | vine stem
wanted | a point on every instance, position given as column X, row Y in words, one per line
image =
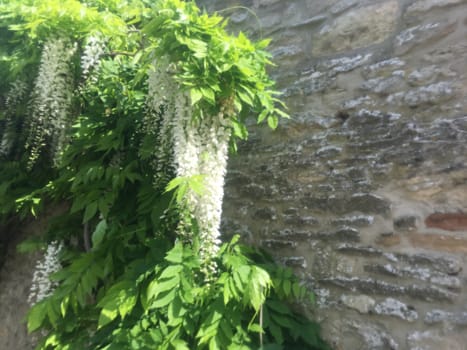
column 261, row 325
column 87, row 242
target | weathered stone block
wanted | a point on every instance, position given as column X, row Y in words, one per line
column 454, row 318
column 278, row 244
column 265, row 213
column 416, row 272
column 295, row 261
column 396, row 308
column 406, row 222
column 445, row 265
column 357, row 28
column 434, row 340
column 298, row 220
column 419, row 34
column 431, row 94
column 345, row 64
column 362, row 303
column 346, row 234
column 352, row 249
column 383, row 68
column 384, row 86
column 354, row 220
column 370, row 203
column 374, row 286
column 428, row 75
column 426, row 5
column 439, row 242
column 376, row 339
column 388, row 239
column 342, row 6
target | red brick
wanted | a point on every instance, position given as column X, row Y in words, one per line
column 448, row 221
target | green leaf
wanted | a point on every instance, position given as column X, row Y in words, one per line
column 254, row 327
column 273, row 121
column 64, row 305
column 99, row 233
column 195, row 95
column 175, row 255
column 90, row 211
column 262, row 115
column 240, row 130
column 199, row 48
column 164, row 301
column 171, row 272
column 287, row 287
column 245, row 98
column 127, row 303
column 180, row 344
column 53, row 313
column 175, row 312
column 209, row 95
column 157, row 287
column 108, row 314
column 36, row 316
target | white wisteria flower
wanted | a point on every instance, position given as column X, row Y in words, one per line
column 15, row 97
column 51, row 100
column 158, row 120
column 42, row 286
column 201, row 148
column 92, row 53
column 192, row 147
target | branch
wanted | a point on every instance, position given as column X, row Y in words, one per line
column 87, row 242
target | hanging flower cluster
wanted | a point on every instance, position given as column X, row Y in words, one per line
column 201, row 148
column 92, row 53
column 14, row 98
column 51, row 100
column 158, row 120
column 42, row 286
column 194, row 147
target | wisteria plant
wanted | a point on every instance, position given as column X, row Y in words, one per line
column 131, row 108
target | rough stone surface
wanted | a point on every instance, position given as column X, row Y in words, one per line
column 426, row 5
column 396, row 308
column 357, row 28
column 15, row 282
column 435, row 340
column 363, row 192
column 439, row 242
column 362, row 303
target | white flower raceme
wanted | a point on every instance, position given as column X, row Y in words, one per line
column 42, row 286
column 192, row 147
column 15, row 97
column 51, row 101
column 158, row 120
column 92, row 53
column 201, row 148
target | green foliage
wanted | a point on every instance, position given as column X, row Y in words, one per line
column 128, row 281
column 167, row 305
column 214, row 65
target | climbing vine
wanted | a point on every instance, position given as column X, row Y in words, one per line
column 124, row 113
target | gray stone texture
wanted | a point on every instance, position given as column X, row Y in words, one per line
column 341, row 192
column 345, row 191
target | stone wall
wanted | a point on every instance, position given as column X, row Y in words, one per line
column 16, row 272
column 364, row 191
